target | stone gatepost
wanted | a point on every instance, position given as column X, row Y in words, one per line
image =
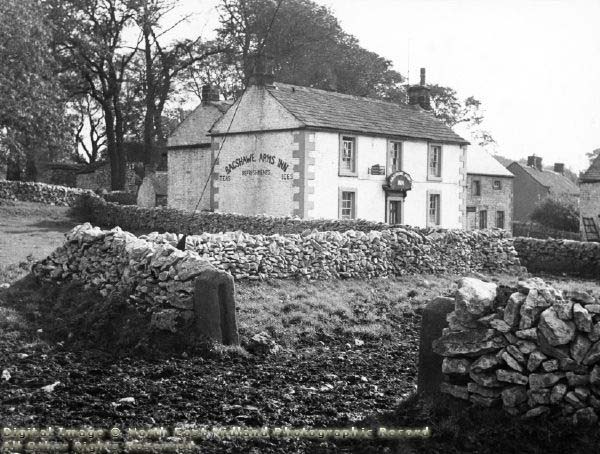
column 430, row 363
column 214, row 307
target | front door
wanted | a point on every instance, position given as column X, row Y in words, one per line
column 395, row 211
column 471, row 220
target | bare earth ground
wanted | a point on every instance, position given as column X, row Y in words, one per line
column 348, row 359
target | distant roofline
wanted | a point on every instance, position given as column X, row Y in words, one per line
column 547, row 171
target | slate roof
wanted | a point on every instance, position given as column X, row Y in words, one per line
column 504, row 161
column 337, row 111
column 193, row 130
column 593, row 172
column 480, row 162
column 555, row 182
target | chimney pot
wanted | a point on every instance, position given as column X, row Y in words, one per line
column 262, row 75
column 209, row 94
column 538, row 163
column 531, row 161
column 419, row 94
column 559, row 167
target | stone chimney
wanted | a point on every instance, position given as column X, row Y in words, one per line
column 559, row 167
column 419, row 94
column 262, row 75
column 535, row 162
column 209, row 94
column 538, row 163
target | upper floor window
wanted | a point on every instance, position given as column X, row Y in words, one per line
column 497, row 184
column 395, row 157
column 434, row 170
column 476, row 188
column 347, row 155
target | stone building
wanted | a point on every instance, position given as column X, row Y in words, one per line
column 154, row 189
column 189, row 150
column 589, row 202
column 286, row 150
column 532, row 184
column 489, row 192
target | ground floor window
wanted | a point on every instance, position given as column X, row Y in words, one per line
column 348, row 205
column 395, row 211
column 500, row 219
column 483, row 219
column 433, row 213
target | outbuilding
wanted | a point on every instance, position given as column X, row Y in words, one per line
column 490, row 192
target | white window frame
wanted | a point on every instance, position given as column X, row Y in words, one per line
column 437, row 174
column 344, row 169
column 395, row 146
column 341, row 207
column 438, row 218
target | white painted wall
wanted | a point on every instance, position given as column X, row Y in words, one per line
column 370, row 195
column 270, row 191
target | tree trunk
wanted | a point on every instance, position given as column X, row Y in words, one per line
column 111, row 146
column 149, row 152
column 120, row 149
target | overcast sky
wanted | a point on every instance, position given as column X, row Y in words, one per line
column 534, row 64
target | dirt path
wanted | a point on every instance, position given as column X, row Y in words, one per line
column 31, row 229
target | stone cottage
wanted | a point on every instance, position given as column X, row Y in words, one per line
column 532, row 184
column 589, row 202
column 286, row 150
column 489, row 192
column 189, row 150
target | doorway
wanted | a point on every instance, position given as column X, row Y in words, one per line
column 395, row 212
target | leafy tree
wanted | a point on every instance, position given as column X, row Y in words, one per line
column 33, row 120
column 91, row 132
column 161, row 64
column 592, row 155
column 452, row 111
column 89, row 42
column 306, row 46
column 561, row 213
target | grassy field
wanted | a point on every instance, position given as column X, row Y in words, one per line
column 348, row 358
column 31, row 230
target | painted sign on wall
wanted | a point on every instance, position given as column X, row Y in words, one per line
column 262, row 158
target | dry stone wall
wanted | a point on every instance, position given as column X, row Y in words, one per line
column 173, row 220
column 533, row 351
column 574, row 258
column 42, row 193
column 323, row 255
column 158, row 277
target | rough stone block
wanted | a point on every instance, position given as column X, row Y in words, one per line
column 430, row 363
column 214, row 307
